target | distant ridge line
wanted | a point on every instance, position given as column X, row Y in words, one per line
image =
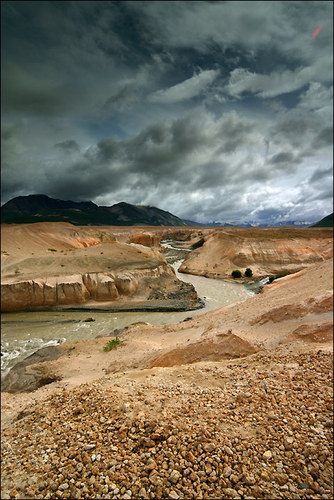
column 42, row 208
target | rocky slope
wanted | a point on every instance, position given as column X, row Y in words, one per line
column 238, row 429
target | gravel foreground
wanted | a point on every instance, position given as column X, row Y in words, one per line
column 257, row 427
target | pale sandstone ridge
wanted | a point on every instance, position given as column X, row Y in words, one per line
column 75, row 289
column 138, row 289
column 266, row 251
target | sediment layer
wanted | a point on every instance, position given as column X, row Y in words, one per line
column 138, row 289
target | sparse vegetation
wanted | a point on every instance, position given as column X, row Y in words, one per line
column 113, row 344
column 52, row 250
column 248, row 272
column 275, row 277
column 236, row 273
column 17, row 271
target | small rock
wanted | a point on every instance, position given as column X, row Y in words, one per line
column 267, row 455
column 231, row 492
column 209, row 447
column 155, row 479
column 151, row 464
column 191, row 457
column 288, row 443
column 265, row 476
column 249, row 479
column 174, row 476
column 227, row 471
column 147, row 442
column 173, row 494
column 228, row 451
column 281, row 478
column 193, row 476
column 63, row 486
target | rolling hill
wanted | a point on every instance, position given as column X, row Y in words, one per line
column 325, row 222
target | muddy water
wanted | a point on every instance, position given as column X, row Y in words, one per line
column 23, row 333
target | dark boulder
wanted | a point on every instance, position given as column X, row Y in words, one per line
column 25, row 376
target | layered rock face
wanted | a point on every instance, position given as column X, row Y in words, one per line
column 265, row 251
column 50, row 265
column 123, row 290
column 60, row 290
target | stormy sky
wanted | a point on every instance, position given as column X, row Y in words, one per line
column 214, row 111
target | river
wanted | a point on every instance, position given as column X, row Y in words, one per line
column 25, row 332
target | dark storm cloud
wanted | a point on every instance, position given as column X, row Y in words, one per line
column 324, row 138
column 282, row 158
column 124, row 96
column 190, row 151
column 212, row 110
column 69, row 146
column 320, row 174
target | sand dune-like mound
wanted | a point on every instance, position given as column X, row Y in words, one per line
column 229, row 347
column 311, row 333
column 316, row 305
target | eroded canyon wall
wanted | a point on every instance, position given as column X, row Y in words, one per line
column 266, row 251
column 145, row 288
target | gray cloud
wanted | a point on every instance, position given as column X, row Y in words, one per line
column 211, row 110
column 322, row 173
column 69, row 146
column 185, row 90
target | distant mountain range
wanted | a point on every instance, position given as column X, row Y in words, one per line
column 41, row 208
column 288, row 223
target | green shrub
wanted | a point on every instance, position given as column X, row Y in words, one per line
column 52, row 250
column 271, row 278
column 236, row 274
column 248, row 273
column 113, row 344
